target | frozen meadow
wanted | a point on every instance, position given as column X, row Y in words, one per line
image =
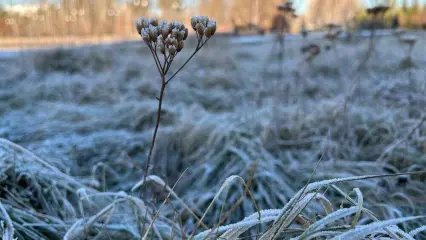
column 76, row 126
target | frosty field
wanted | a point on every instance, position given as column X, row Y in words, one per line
column 76, row 125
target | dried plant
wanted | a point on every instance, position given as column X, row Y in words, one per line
column 333, row 33
column 311, row 51
column 406, row 41
column 281, row 26
column 377, row 14
column 409, row 41
column 303, row 30
column 165, row 41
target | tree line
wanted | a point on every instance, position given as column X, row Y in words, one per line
column 111, row 17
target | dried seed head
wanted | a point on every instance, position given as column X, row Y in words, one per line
column 172, row 24
column 409, row 40
column 174, row 42
column 153, row 32
column 141, row 23
column 172, row 50
column 211, row 28
column 286, row 7
column 185, row 34
column 203, row 20
column 164, row 28
column 171, row 41
column 331, row 26
column 168, row 41
column 153, row 22
column 381, row 9
column 194, row 21
column 138, row 26
column 175, row 33
column 165, row 32
column 169, row 37
column 163, row 23
column 145, row 35
column 180, row 35
column 200, row 29
column 160, row 39
column 180, row 46
column 178, row 25
column 145, row 22
column 160, row 45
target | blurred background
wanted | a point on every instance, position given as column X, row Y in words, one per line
column 35, row 23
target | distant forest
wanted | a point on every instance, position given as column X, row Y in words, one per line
column 109, row 17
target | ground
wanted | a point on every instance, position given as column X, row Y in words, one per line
column 85, row 117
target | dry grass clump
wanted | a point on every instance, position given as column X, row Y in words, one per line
column 71, row 61
column 58, row 205
column 91, row 131
column 42, row 202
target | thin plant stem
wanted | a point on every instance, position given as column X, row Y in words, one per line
column 371, row 46
column 157, row 62
column 281, row 55
column 157, row 125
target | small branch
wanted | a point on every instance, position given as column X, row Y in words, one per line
column 154, row 55
column 371, row 47
column 169, row 63
column 164, row 63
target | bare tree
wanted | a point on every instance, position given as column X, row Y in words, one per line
column 240, row 12
column 138, row 7
column 216, row 9
column 260, row 12
column 172, row 9
column 321, row 12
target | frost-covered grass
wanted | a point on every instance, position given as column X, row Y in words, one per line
column 79, row 122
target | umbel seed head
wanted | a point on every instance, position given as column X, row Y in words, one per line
column 166, row 37
column 138, row 25
column 377, row 10
column 153, row 22
column 331, row 26
column 286, row 7
column 185, row 34
column 160, row 44
column 145, row 35
column 211, row 28
column 203, row 26
column 200, row 29
column 172, row 50
column 409, row 40
column 169, row 37
column 180, row 46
